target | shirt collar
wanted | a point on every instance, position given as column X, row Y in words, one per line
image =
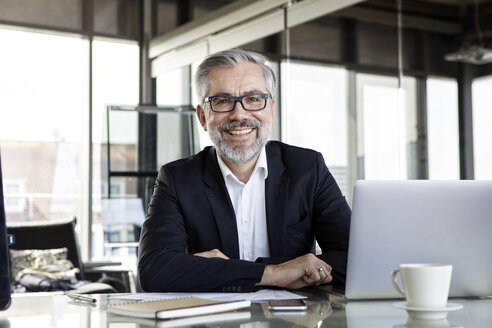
column 261, row 166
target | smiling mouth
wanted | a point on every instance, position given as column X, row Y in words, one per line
column 239, row 132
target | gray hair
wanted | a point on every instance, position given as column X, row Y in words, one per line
column 231, row 58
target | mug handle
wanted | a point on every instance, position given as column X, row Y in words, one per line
column 395, row 284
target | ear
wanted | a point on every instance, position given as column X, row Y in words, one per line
column 273, row 109
column 200, row 113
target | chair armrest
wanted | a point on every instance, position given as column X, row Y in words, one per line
column 122, row 278
column 93, row 264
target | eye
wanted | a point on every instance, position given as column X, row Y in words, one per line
column 253, row 98
column 222, row 100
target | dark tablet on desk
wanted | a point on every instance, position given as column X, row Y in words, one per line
column 4, row 253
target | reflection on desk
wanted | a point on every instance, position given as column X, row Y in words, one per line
column 233, row 318
column 56, row 310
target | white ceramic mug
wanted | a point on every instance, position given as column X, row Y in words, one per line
column 425, row 285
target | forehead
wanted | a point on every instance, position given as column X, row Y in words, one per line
column 238, row 79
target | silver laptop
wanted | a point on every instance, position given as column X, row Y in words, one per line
column 420, row 221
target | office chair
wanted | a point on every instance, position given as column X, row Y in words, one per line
column 59, row 234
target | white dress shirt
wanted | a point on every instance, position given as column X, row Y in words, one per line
column 248, row 200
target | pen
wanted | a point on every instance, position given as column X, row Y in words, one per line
column 78, row 297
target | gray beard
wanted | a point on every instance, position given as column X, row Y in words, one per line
column 238, row 155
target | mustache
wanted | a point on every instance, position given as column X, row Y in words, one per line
column 235, row 124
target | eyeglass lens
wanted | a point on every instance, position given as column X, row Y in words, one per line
column 250, row 102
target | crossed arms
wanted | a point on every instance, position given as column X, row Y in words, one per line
column 189, row 239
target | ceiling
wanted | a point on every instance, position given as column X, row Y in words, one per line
column 456, row 2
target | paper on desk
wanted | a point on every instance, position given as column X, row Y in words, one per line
column 256, row 297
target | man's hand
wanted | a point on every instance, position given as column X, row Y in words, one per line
column 300, row 272
column 212, row 253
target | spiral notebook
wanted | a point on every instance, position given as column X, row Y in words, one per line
column 174, row 308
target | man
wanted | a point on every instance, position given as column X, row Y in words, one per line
column 244, row 213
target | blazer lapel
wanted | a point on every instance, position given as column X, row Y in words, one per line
column 276, row 197
column 221, row 205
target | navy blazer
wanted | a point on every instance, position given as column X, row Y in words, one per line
column 191, row 212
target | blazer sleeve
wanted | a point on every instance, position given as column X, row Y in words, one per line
column 331, row 217
column 164, row 264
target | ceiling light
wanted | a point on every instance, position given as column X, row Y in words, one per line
column 471, row 54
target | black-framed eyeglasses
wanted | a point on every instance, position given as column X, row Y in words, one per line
column 250, row 102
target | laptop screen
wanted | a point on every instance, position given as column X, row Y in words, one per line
column 4, row 252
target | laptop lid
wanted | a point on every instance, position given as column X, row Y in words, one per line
column 4, row 252
column 420, row 221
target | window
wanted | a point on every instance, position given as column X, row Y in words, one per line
column 314, row 113
column 175, row 131
column 15, row 202
column 202, row 135
column 44, row 129
column 386, row 119
column 43, row 125
column 482, row 122
column 115, row 81
column 442, row 129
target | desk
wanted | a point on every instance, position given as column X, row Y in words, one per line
column 56, row 311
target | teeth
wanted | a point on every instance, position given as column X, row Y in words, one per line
column 240, row 132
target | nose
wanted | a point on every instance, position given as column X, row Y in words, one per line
column 238, row 112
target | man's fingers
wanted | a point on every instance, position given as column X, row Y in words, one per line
column 300, row 283
column 318, row 273
column 325, row 274
column 313, row 276
column 299, row 272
